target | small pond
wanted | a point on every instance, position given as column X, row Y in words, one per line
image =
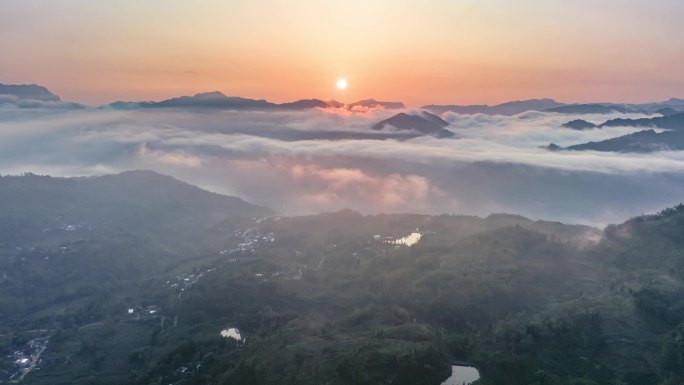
column 462, row 375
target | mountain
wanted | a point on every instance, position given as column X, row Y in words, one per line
column 579, row 124
column 592, row 108
column 550, row 105
column 642, row 141
column 651, row 108
column 97, row 232
column 372, row 103
column 217, row 100
column 424, row 122
column 213, row 99
column 33, row 202
column 131, row 279
column 675, row 103
column 75, row 232
column 335, row 104
column 552, row 147
column 509, row 108
column 667, row 111
column 304, row 104
column 28, row 94
column 671, row 122
column 29, row 91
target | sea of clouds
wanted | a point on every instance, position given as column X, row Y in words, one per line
column 301, row 162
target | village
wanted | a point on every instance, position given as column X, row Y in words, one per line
column 246, row 244
column 23, row 361
column 249, row 241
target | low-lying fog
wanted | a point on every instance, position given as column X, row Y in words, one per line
column 286, row 160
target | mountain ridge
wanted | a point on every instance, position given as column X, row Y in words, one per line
column 29, row 91
column 423, row 122
column 217, row 99
column 145, row 188
column 506, row 108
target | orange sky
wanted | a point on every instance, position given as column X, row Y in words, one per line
column 419, row 52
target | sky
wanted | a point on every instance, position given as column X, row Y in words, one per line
column 415, row 51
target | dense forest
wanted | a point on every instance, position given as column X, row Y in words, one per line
column 113, row 281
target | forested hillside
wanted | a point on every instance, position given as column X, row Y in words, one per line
column 131, row 278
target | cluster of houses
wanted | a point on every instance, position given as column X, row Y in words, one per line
column 281, row 275
column 184, row 281
column 146, row 313
column 408, row 240
column 251, row 238
column 23, row 361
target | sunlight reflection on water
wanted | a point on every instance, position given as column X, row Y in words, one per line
column 461, row 375
column 409, row 240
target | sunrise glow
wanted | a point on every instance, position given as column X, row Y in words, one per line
column 434, row 192
column 465, row 52
column 342, row 84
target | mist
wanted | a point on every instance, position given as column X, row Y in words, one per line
column 302, row 162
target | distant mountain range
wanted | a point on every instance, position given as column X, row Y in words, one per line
column 667, row 111
column 545, row 105
column 582, row 109
column 217, row 100
column 671, row 120
column 423, row 122
column 509, row 108
column 33, row 95
column 372, row 103
column 549, row 105
column 304, row 104
column 642, row 141
column 24, row 95
column 28, row 91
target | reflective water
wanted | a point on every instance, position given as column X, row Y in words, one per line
column 409, row 240
column 231, row 333
column 461, row 375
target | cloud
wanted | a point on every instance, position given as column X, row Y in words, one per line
column 12, row 101
column 344, row 187
column 321, row 160
column 176, row 158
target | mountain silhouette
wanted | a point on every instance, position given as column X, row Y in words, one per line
column 425, row 122
column 508, row 108
column 29, row 91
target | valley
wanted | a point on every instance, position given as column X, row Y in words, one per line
column 350, row 298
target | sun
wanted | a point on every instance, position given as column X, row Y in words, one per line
column 341, row 84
